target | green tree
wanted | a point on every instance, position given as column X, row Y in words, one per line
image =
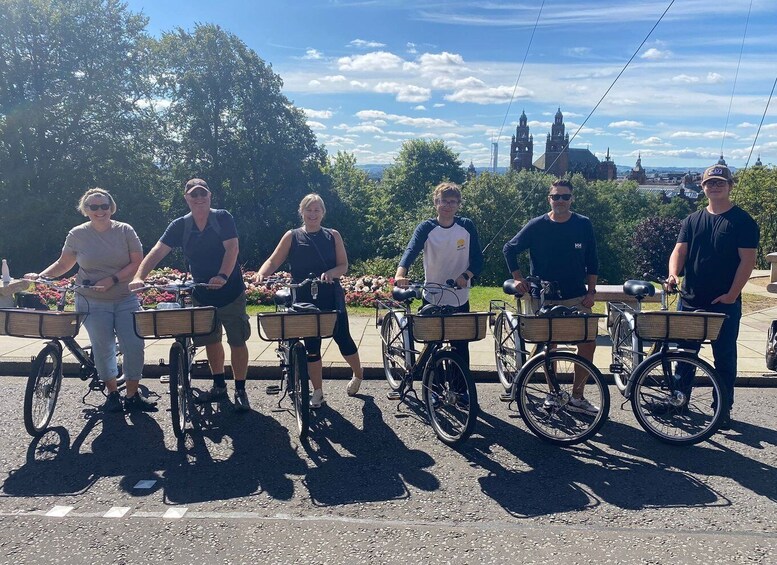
column 73, row 79
column 755, row 191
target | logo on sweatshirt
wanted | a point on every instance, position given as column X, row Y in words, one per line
column 578, row 245
column 459, row 244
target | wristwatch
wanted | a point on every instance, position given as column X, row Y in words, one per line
column 465, row 275
column 592, row 291
column 115, row 279
column 223, row 276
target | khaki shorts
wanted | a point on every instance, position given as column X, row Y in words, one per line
column 234, row 319
column 576, row 302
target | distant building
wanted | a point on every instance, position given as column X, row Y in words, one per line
column 637, row 173
column 559, row 159
column 471, row 172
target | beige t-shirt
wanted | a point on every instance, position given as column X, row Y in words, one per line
column 102, row 254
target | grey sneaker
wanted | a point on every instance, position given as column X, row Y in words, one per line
column 112, row 403
column 241, row 401
column 353, row 386
column 582, row 405
column 215, row 394
column 551, row 402
column 138, row 403
column 317, row 398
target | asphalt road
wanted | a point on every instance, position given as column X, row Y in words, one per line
column 372, row 486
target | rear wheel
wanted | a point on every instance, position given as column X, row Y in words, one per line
column 392, row 347
column 43, row 384
column 677, row 398
column 179, row 389
column 450, row 397
column 301, row 389
column 622, row 351
column 506, row 350
column 545, row 395
column 771, row 347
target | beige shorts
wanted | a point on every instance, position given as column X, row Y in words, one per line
column 235, row 321
column 576, row 302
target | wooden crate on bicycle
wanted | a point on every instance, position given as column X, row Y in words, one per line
column 19, row 322
column 465, row 326
column 679, row 325
column 176, row 322
column 296, row 325
column 562, row 329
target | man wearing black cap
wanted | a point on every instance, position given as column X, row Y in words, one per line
column 209, row 241
column 717, row 248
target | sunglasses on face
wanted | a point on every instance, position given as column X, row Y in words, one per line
column 198, row 193
column 446, row 202
column 95, row 207
column 557, row 197
column 717, row 183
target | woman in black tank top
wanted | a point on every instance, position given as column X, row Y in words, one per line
column 314, row 249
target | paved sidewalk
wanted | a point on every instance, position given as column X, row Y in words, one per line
column 15, row 353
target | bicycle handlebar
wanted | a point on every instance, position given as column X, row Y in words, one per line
column 68, row 286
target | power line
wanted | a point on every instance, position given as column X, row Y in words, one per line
column 758, row 131
column 736, row 75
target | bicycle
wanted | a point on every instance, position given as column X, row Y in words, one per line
column 447, row 385
column 181, row 321
column 665, row 384
column 543, row 381
column 288, row 326
column 33, row 318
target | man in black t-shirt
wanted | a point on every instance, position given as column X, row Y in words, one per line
column 209, row 241
column 562, row 249
column 717, row 248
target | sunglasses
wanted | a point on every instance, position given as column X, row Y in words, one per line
column 716, row 182
column 447, row 202
column 557, row 197
column 198, row 193
column 95, row 207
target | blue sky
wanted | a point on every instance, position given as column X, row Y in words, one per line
column 373, row 73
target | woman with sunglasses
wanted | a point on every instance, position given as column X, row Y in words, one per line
column 108, row 254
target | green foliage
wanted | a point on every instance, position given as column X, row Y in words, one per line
column 755, row 191
column 652, row 243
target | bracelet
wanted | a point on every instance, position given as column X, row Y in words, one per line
column 223, row 276
column 115, row 279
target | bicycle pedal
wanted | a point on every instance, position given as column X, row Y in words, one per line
column 506, row 397
column 616, row 368
column 273, row 389
column 393, row 395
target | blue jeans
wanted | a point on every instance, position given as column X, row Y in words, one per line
column 107, row 321
column 724, row 349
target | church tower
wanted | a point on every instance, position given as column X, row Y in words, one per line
column 522, row 146
column 557, row 148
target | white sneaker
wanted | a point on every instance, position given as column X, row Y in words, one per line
column 317, row 398
column 582, row 405
column 353, row 386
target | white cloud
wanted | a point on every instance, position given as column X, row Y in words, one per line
column 405, row 120
column 687, row 79
column 493, row 95
column 361, row 44
column 420, row 108
column 449, row 83
column 440, row 62
column 314, row 82
column 625, row 124
column 438, row 105
column 364, row 129
column 375, row 61
column 653, row 140
column 714, row 78
column 404, row 92
column 313, row 54
column 578, row 51
column 654, row 54
column 334, row 78
column 411, row 48
column 316, row 125
column 705, row 135
column 319, row 114
column 358, row 84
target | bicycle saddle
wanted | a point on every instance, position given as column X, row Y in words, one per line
column 509, row 288
column 304, row 307
column 282, row 297
column 403, row 294
column 558, row 311
column 435, row 310
column 640, row 289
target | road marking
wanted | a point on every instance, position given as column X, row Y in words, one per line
column 173, row 513
column 144, row 484
column 116, row 512
column 59, row 511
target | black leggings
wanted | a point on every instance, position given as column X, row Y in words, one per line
column 342, row 337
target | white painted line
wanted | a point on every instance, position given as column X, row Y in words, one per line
column 59, row 511
column 173, row 513
column 145, row 484
column 116, row 512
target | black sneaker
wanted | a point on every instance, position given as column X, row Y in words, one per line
column 241, row 401
column 215, row 394
column 725, row 422
column 112, row 403
column 138, row 403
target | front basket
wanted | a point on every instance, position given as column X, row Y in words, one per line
column 296, row 325
column 20, row 322
column 466, row 326
column 566, row 329
column 179, row 322
column 679, row 326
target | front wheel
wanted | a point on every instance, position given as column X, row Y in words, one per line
column 180, row 386
column 622, row 349
column 301, row 389
column 393, row 351
column 506, row 351
column 562, row 398
column 451, row 397
column 43, row 384
column 677, row 398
